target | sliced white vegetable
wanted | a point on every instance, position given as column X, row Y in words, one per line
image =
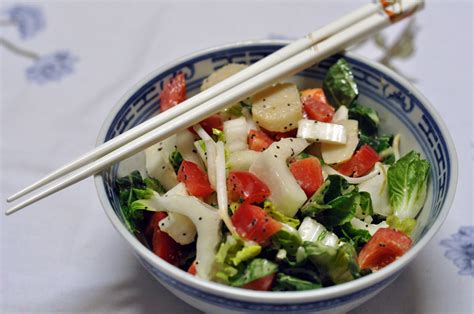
column 300, row 254
column 342, row 113
column 222, row 187
column 277, row 108
column 200, row 147
column 157, row 162
column 271, row 168
column 330, row 239
column 242, row 160
column 336, row 153
column 179, row 189
column 281, row 254
column 313, row 231
column 378, row 190
column 211, row 162
column 185, row 143
column 251, row 125
column 201, row 132
column 396, row 146
column 331, row 171
column 221, row 74
column 235, row 131
column 177, row 226
column 325, row 174
column 208, row 224
column 371, row 228
column 315, row 131
column 310, row 229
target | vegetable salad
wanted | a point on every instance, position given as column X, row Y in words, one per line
column 286, row 190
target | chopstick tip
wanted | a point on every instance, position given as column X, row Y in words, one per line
column 14, row 197
column 12, row 210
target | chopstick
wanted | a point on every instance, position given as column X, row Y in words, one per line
column 260, row 66
column 285, row 62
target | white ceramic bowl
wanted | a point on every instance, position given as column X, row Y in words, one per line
column 403, row 110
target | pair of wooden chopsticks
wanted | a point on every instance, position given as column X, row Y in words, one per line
column 287, row 61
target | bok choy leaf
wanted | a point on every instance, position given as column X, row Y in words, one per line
column 368, row 118
column 337, row 265
column 339, row 85
column 291, row 283
column 407, row 185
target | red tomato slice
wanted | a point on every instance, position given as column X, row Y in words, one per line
column 385, row 246
column 258, row 140
column 164, row 246
column 308, row 173
column 195, row 179
column 153, row 223
column 261, row 284
column 316, row 106
column 252, row 223
column 213, row 122
column 174, row 92
column 361, row 163
column 245, row 185
column 192, row 269
column 276, row 136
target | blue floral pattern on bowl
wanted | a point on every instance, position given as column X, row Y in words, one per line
column 461, row 250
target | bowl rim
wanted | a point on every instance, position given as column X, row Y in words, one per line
column 287, row 296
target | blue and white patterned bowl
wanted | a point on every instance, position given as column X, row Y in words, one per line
column 403, row 110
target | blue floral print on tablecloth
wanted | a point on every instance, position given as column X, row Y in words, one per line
column 461, row 250
column 28, row 19
column 52, row 67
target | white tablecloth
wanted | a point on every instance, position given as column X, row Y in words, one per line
column 63, row 255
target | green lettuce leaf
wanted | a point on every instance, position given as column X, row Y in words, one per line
column 231, row 254
column 364, row 205
column 155, row 185
column 176, row 159
column 406, row 225
column 334, row 203
column 379, row 143
column 367, row 117
column 290, row 283
column 348, row 233
column 235, row 110
column 131, row 188
column 219, row 135
column 337, row 265
column 288, row 239
column 389, row 159
column 246, row 253
column 407, row 185
column 277, row 215
column 342, row 210
column 339, row 85
column 256, row 269
column 316, row 203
